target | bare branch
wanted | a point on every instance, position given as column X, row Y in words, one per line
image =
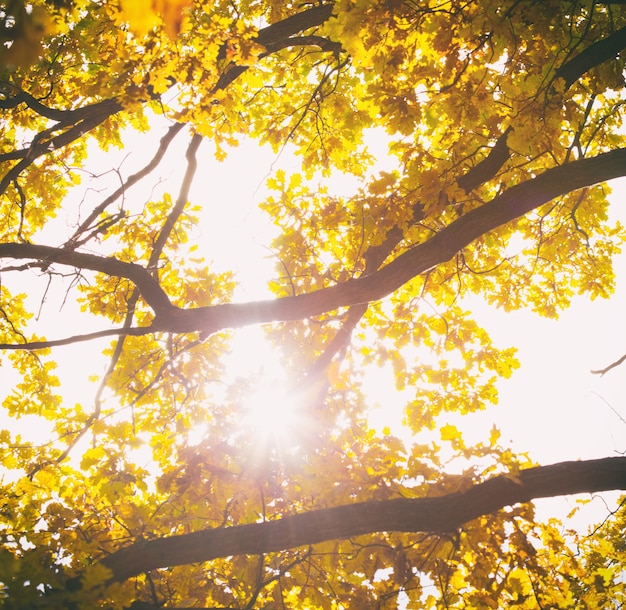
column 170, row 134
column 35, row 345
column 127, row 328
column 150, row 289
column 605, row 370
column 181, row 202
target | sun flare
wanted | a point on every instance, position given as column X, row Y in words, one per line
column 271, row 408
column 271, row 412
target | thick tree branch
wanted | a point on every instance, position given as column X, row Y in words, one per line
column 295, row 24
column 592, row 56
column 487, row 168
column 281, row 35
column 22, row 97
column 376, row 255
column 513, row 203
column 436, row 515
column 290, row 26
column 76, row 123
column 483, row 171
column 44, row 142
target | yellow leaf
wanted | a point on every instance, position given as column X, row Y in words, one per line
column 450, row 433
column 494, row 436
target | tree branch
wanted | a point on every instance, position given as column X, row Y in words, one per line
column 375, row 256
column 435, row 515
column 488, row 167
column 150, row 289
column 601, row 372
column 33, row 345
column 595, row 54
column 513, row 203
column 78, row 238
column 269, row 38
column 41, row 145
column 295, row 24
column 181, row 201
column 74, row 123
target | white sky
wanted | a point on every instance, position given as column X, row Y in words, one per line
column 552, row 407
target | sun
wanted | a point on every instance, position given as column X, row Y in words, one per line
column 272, row 411
column 271, row 408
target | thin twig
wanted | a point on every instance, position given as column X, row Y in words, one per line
column 601, row 372
column 35, row 345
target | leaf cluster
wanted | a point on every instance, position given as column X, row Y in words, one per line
column 479, row 136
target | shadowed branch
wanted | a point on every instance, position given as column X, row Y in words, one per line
column 436, row 515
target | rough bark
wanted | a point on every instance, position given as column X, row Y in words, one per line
column 436, row 515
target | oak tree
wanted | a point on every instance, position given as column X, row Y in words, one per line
column 501, row 122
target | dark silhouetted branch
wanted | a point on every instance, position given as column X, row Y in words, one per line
column 441, row 247
column 150, row 289
column 436, row 515
column 592, row 56
column 513, row 203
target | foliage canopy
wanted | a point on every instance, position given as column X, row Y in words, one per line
column 502, row 122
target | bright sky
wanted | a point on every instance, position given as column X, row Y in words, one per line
column 553, row 407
